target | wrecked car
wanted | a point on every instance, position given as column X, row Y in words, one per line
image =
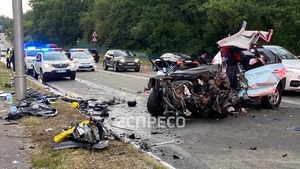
column 215, row 90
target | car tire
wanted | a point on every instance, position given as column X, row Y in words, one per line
column 73, row 76
column 27, row 71
column 105, row 67
column 137, row 69
column 155, row 104
column 273, row 101
column 35, row 75
column 92, row 70
column 115, row 67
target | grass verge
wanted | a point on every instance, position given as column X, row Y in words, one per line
column 117, row 155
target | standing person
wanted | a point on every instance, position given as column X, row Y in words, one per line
column 12, row 59
column 202, row 59
column 8, row 56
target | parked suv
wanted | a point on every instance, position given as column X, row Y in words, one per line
column 53, row 64
column 120, row 60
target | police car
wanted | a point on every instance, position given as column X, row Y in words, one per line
column 49, row 64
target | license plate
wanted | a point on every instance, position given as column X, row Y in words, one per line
column 60, row 71
column 130, row 63
column 85, row 65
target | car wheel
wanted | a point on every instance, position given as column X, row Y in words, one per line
column 92, row 70
column 73, row 76
column 155, row 104
column 115, row 67
column 105, row 67
column 137, row 69
column 274, row 100
column 27, row 71
column 35, row 75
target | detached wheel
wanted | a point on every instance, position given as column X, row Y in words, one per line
column 105, row 67
column 274, row 100
column 115, row 67
column 35, row 75
column 155, row 104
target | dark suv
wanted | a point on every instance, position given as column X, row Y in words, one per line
column 95, row 54
column 120, row 60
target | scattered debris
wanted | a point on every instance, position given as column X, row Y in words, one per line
column 131, row 103
column 162, row 143
column 144, row 145
column 255, row 117
column 253, row 148
column 121, row 127
column 284, row 155
column 86, row 134
column 272, row 119
column 156, row 132
column 48, row 129
column 176, row 157
column 293, row 128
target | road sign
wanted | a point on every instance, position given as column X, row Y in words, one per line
column 94, row 39
column 95, row 34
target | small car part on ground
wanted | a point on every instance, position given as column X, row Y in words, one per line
column 49, row 64
column 120, row 60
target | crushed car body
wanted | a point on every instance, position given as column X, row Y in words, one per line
column 214, row 89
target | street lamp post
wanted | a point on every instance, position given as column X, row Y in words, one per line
column 20, row 77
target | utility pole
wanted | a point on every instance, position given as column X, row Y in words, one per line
column 20, row 77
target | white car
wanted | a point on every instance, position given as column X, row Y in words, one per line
column 83, row 61
column 86, row 51
column 270, row 54
column 292, row 65
column 53, row 64
column 30, row 53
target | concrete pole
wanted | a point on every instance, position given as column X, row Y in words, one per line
column 20, row 77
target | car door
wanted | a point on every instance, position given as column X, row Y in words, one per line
column 262, row 81
column 110, row 57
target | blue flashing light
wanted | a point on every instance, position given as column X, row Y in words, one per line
column 45, row 49
column 31, row 48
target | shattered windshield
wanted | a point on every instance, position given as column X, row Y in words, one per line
column 283, row 53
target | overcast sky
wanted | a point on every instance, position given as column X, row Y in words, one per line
column 6, row 7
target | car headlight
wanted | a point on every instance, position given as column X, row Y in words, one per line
column 292, row 70
column 47, row 65
column 136, row 60
column 122, row 60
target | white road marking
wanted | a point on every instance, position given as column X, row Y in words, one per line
column 290, row 101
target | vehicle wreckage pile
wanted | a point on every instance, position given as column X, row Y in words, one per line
column 90, row 134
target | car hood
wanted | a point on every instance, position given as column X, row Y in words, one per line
column 292, row 63
column 58, row 61
column 245, row 39
column 82, row 60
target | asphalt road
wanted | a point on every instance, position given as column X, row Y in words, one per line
column 257, row 139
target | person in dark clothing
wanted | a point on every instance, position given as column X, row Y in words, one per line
column 12, row 59
column 8, row 57
column 202, row 59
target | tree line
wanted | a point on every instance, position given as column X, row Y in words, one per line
column 159, row 26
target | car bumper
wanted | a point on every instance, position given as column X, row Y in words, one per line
column 292, row 81
column 123, row 66
column 60, row 73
